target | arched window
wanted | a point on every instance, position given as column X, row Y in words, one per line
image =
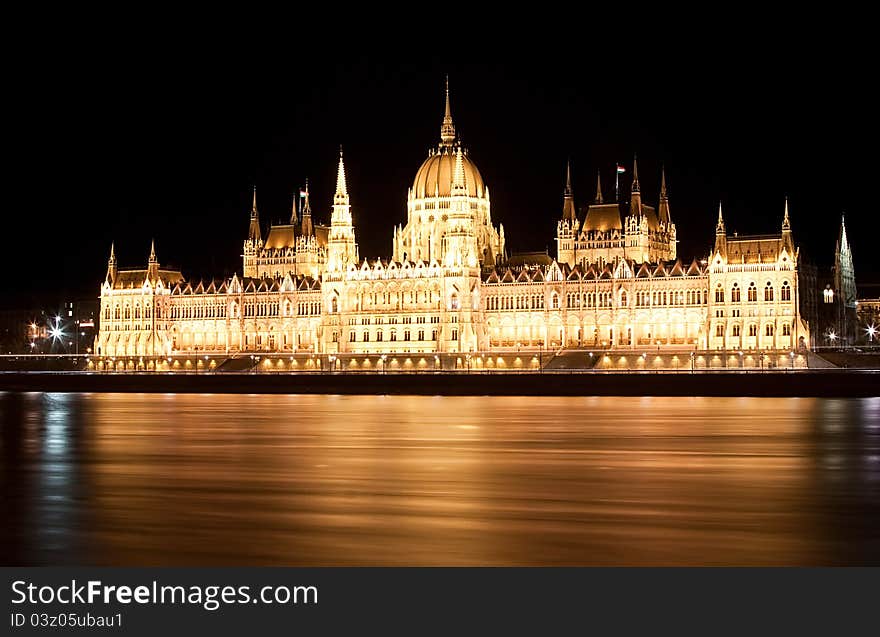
column 753, row 330
column 334, row 305
column 719, row 330
column 769, row 330
column 127, row 312
column 554, row 301
column 735, row 293
column 736, row 330
column 753, row 291
column 719, row 294
column 768, row 291
column 786, row 291
column 623, row 298
column 786, row 329
column 453, row 302
column 828, row 294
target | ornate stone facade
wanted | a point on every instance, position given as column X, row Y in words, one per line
column 449, row 287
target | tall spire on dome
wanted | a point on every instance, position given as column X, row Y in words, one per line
column 598, row 186
column 447, row 130
column 254, row 230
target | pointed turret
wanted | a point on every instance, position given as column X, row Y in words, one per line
column 341, row 196
column 307, row 228
column 341, row 248
column 720, row 235
column 635, row 184
column 568, row 209
column 635, row 202
column 459, row 184
column 598, row 198
column 111, row 265
column 152, row 263
column 786, row 222
column 254, row 230
column 663, row 210
column 447, row 129
column 294, row 217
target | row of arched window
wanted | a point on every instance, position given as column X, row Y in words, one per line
column 752, row 292
column 379, row 335
column 769, row 329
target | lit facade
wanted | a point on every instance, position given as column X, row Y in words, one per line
column 449, row 287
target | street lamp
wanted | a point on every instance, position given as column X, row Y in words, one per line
column 871, row 331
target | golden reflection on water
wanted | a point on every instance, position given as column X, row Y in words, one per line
column 405, row 480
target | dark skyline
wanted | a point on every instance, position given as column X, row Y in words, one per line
column 143, row 147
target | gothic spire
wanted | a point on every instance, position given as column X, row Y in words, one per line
column 307, row 228
column 663, row 210
column 635, row 184
column 293, row 215
column 598, row 186
column 111, row 265
column 719, row 227
column 568, row 178
column 786, row 222
column 341, row 188
column 153, row 263
column 568, row 210
column 254, row 230
column 447, row 130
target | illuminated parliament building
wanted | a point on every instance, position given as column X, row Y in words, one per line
column 617, row 287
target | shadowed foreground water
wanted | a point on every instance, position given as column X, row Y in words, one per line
column 165, row 479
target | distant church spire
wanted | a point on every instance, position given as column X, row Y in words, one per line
column 598, row 186
column 307, row 228
column 254, row 230
column 447, row 130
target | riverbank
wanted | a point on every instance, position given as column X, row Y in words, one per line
column 805, row 383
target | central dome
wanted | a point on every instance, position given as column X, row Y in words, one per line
column 435, row 175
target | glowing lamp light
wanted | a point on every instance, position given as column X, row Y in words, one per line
column 871, row 331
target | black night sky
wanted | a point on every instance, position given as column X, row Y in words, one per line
column 126, row 141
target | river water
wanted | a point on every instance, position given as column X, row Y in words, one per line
column 180, row 479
